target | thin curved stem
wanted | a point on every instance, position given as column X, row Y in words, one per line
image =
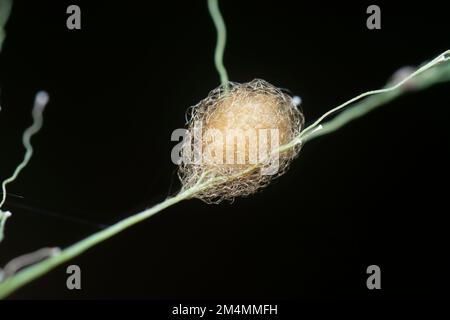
column 214, row 11
column 40, row 102
column 423, row 81
column 309, row 130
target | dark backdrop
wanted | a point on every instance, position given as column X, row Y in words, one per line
column 375, row 192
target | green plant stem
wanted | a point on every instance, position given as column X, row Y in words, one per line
column 5, row 10
column 214, row 11
column 28, row 274
column 4, row 215
column 440, row 59
column 433, row 76
column 40, row 102
column 26, row 140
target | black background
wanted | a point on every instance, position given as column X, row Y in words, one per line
column 375, row 192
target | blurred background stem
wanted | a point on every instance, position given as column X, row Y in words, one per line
column 5, row 9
